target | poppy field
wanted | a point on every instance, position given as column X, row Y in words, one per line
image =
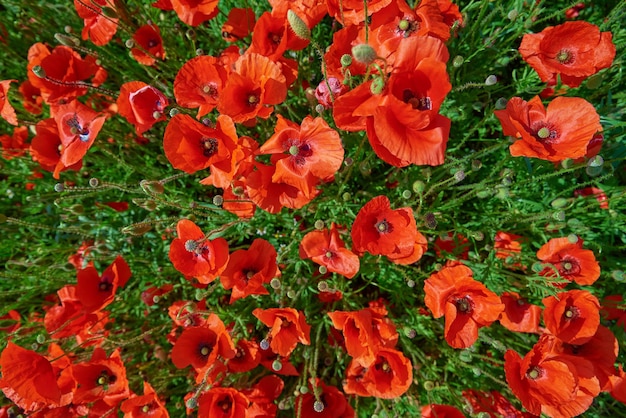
column 312, row 208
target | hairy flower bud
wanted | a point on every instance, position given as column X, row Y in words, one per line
column 298, row 25
column 364, row 53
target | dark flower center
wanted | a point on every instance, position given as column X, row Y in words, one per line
column 225, row 404
column 417, row 102
column 210, row 89
column 204, row 349
column 329, row 254
column 384, row 366
column 564, row 57
column 383, row 226
column 152, row 43
column 571, row 313
column 76, row 129
column 463, row 305
column 105, row 379
column 544, row 132
column 569, row 266
column 534, row 373
column 253, row 99
column 406, row 27
column 105, row 286
column 209, row 146
column 275, row 38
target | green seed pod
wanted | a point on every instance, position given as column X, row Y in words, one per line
column 151, row 187
column 559, row 203
column 457, row 61
column 377, row 86
column 137, row 229
column 364, row 54
column 418, row 186
column 346, row 60
column 39, row 71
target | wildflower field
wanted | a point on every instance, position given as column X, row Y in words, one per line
column 312, row 208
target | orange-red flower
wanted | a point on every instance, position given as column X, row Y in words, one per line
column 199, row 83
column 101, row 379
column 239, row 24
column 223, row 403
column 248, row 270
column 562, row 130
column 195, row 256
column 141, row 105
column 519, row 315
column 262, row 396
column 573, row 316
column 306, row 153
column 441, row 411
column 573, row 51
column 95, row 291
column 191, row 146
column 534, row 379
column 247, row 356
column 45, row 148
column 389, row 376
column 64, row 72
column 595, row 192
column 99, row 28
column 570, row 261
column 78, row 126
column 507, row 245
column 6, row 110
column 147, row 405
column 334, row 403
column 379, row 230
column 352, row 12
column 28, row 379
column 326, row 248
column 255, row 84
column 32, row 99
column 493, row 403
column 289, row 328
column 14, row 145
column 466, row 303
column 272, row 36
column 149, row 45
column 195, row 12
column 201, row 346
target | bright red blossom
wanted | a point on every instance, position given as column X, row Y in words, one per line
column 326, row 248
column 289, row 328
column 569, row 260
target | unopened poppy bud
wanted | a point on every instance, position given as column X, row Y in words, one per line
column 77, row 209
column 572, row 238
column 303, row 389
column 199, row 52
column 491, row 80
column 151, row 187
column 618, row 275
column 130, row 43
column 458, row 61
column 559, row 215
column 156, row 114
column 406, row 194
column 346, row 60
column 277, row 365
column 428, row 385
column 559, row 203
column 567, row 163
column 174, row 112
column 419, row 186
column 191, row 403
column 41, row 338
column 319, row 224
column 275, row 283
column 109, row 12
column 478, row 235
column 264, row 344
column 218, row 200
column 59, row 187
column 348, row 161
column 364, row 53
column 430, row 220
column 190, row 34
column 410, row 283
column 291, row 294
column 68, row 29
column 66, row 40
column 319, row 108
column 322, row 269
column 512, row 15
column 238, row 191
column 39, row 71
column 502, row 193
column 346, row 196
column 94, row 182
column 298, row 26
column 377, row 86
column 501, row 103
column 137, row 229
column 594, row 81
column 596, row 161
column 459, row 176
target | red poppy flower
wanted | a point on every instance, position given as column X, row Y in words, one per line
column 201, row 346
column 101, row 379
column 493, row 403
column 95, row 291
column 262, row 396
column 199, row 83
column 351, row 12
column 343, row 41
column 441, row 411
column 618, row 385
column 30, row 391
column 333, row 403
column 64, row 71
column 358, row 333
column 289, row 328
column 457, row 245
column 10, row 321
column 248, row 270
column 573, row 50
column 149, row 45
column 45, row 148
column 239, row 24
column 99, row 28
column 563, row 130
column 147, row 405
column 195, row 12
column 141, row 105
column 614, row 308
column 191, row 146
column 255, row 84
column 532, row 380
column 519, row 315
column 14, row 145
column 379, row 230
column 271, row 196
column 572, row 316
column 595, row 192
column 32, row 99
column 6, row 110
column 78, row 126
column 388, row 377
column 466, row 303
column 507, row 245
column 312, row 149
column 570, row 261
column 187, row 314
column 247, row 357
column 237, row 201
column 151, row 295
column 600, row 351
column 223, row 403
column 196, row 256
column 326, row 248
column 273, row 36
column 311, row 11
